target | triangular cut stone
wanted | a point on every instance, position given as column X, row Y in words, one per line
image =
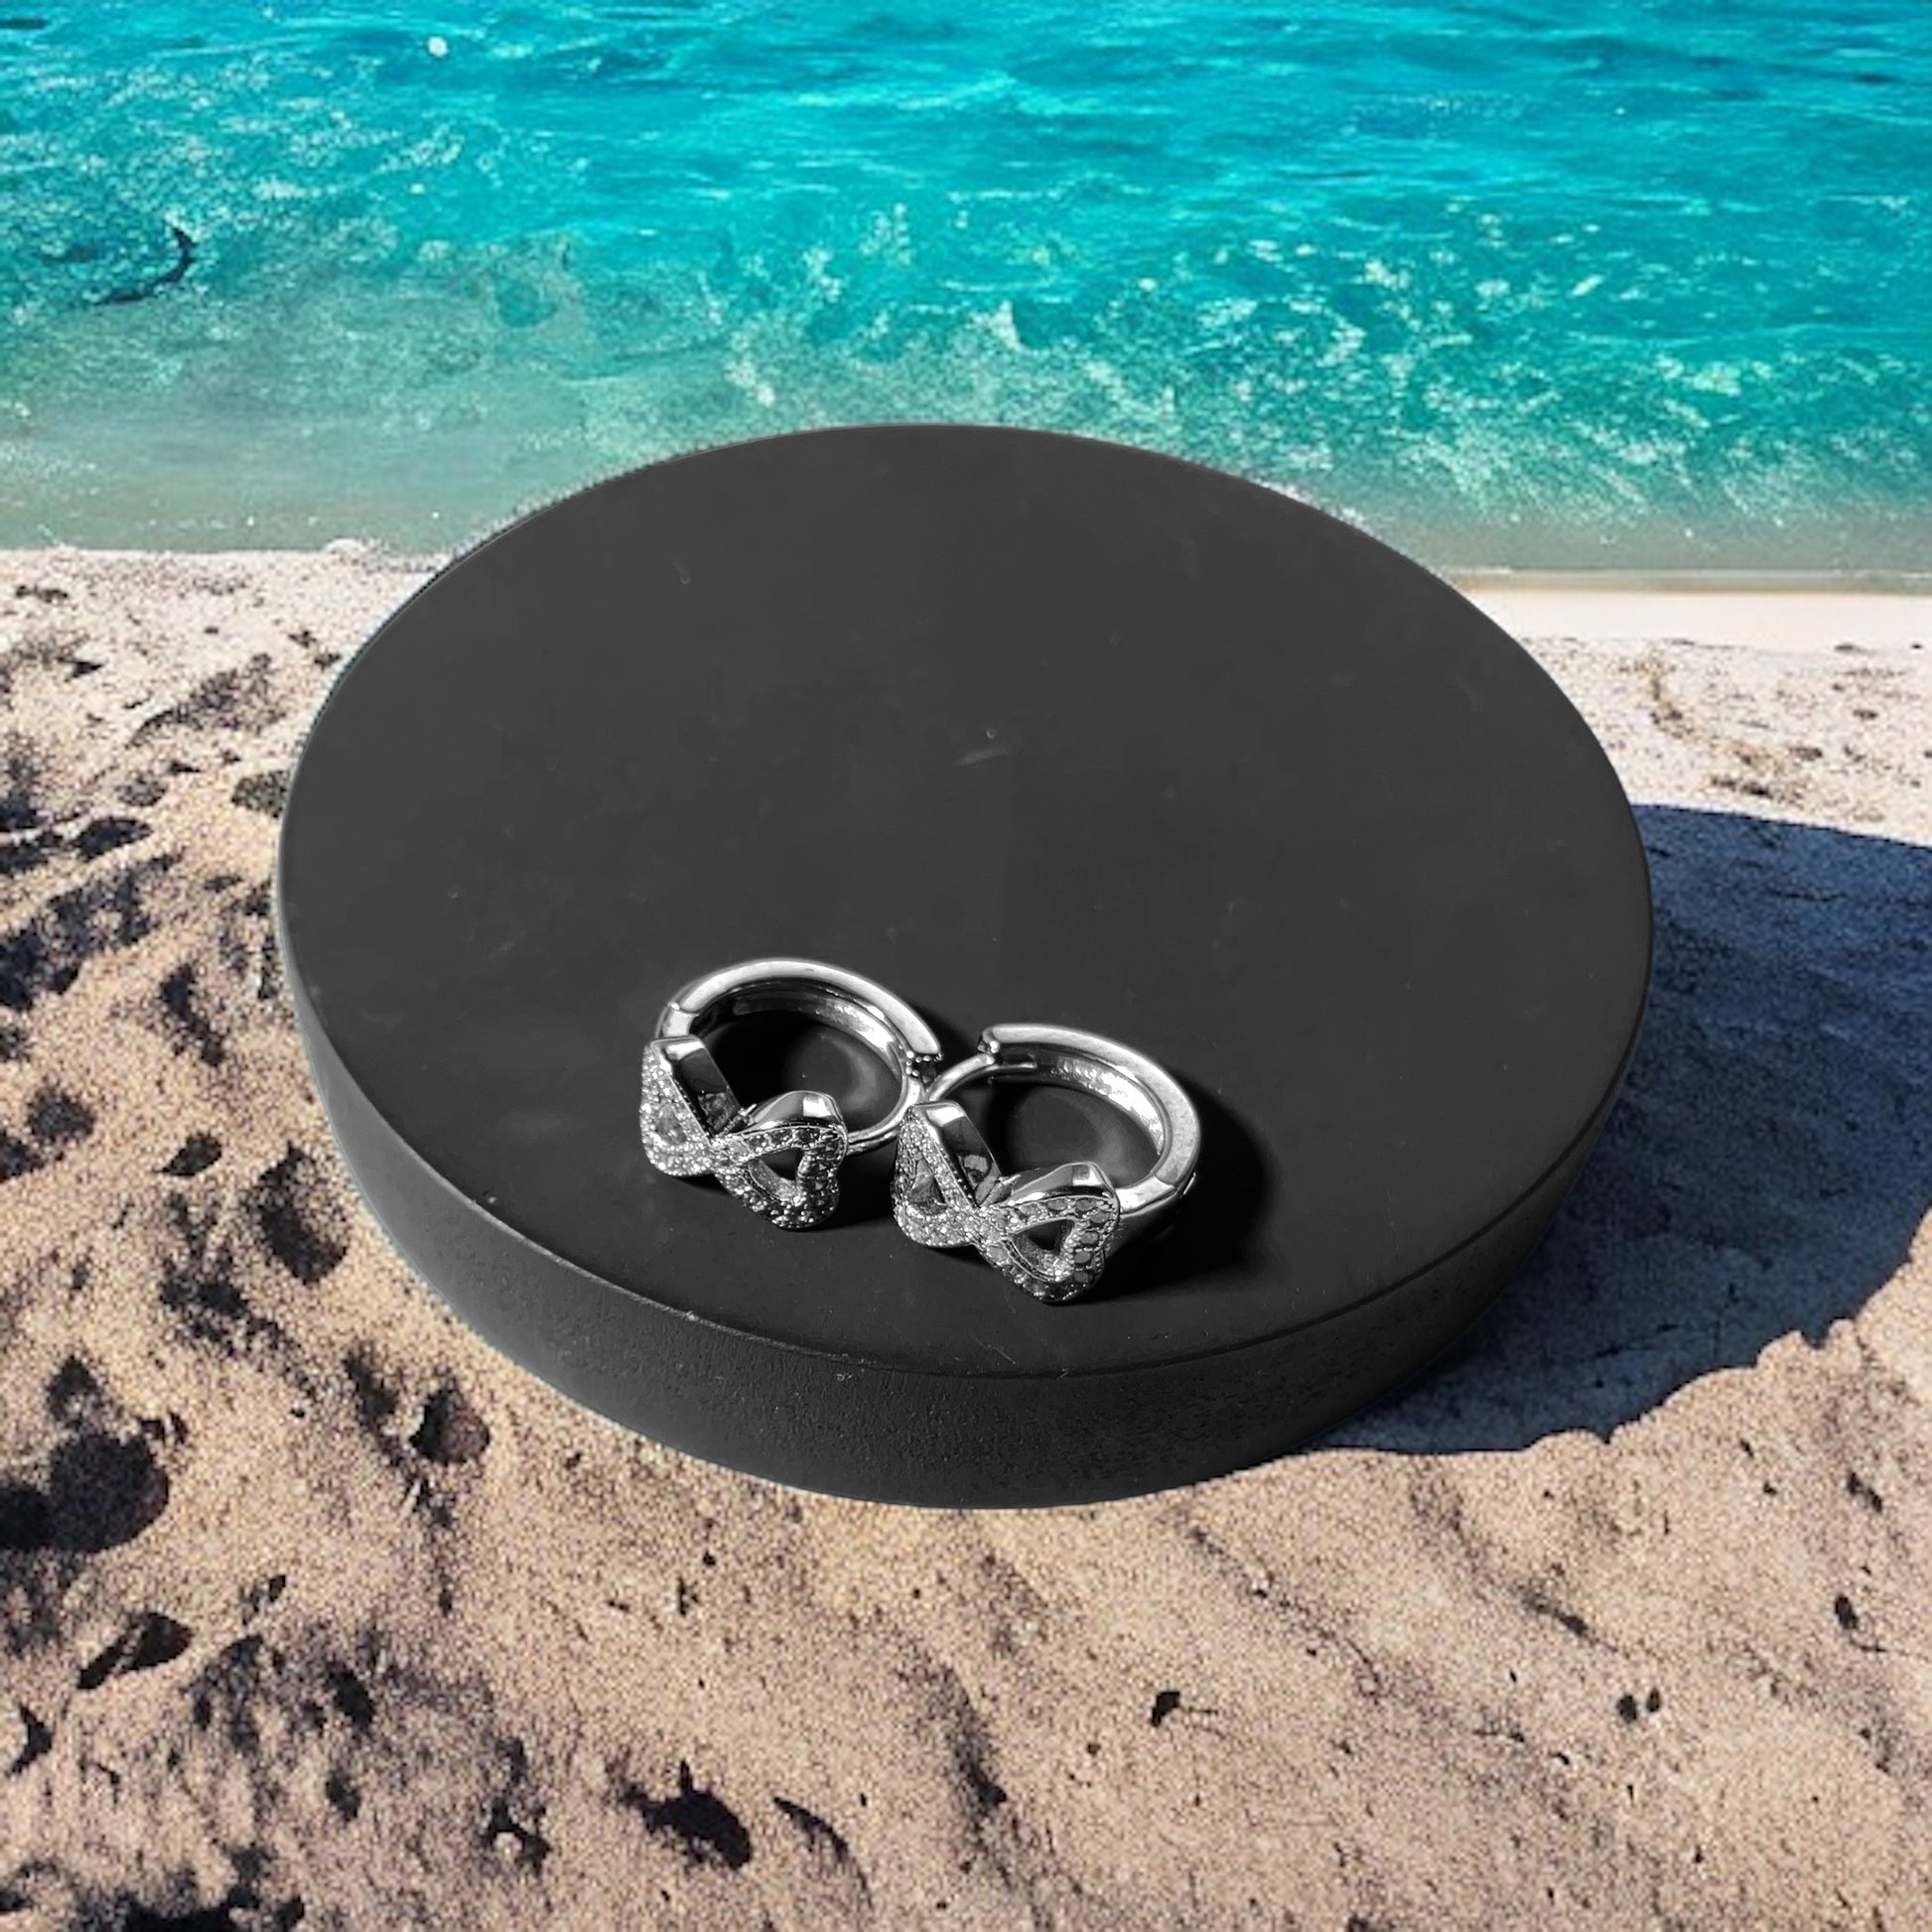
column 1048, row 1238
column 922, row 1187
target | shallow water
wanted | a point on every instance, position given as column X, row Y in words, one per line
column 1504, row 282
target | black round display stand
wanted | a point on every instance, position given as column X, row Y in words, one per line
column 1030, row 728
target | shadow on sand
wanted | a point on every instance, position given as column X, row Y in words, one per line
column 1766, row 1167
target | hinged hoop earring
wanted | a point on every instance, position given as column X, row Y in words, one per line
column 948, row 1191
column 692, row 1121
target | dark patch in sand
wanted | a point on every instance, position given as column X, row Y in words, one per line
column 818, row 1834
column 18, row 774
column 16, row 1157
column 143, row 790
column 262, row 791
column 189, row 1024
column 57, row 1119
column 229, row 1687
column 200, row 1285
column 74, row 1394
column 102, row 1491
column 959, row 1719
column 268, row 979
column 375, row 1401
column 988, row 1794
column 450, row 1430
column 237, row 699
column 351, row 1697
column 525, row 1843
column 100, row 835
column 150, row 1640
column 208, row 1918
column 25, row 1523
column 39, row 1740
column 264, row 1594
column 20, row 855
column 102, row 916
column 705, row 1828
column 300, row 1218
column 196, row 1155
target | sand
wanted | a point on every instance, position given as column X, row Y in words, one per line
column 317, row 1612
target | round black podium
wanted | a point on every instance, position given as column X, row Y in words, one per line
column 1030, row 728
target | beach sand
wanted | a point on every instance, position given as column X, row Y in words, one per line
column 317, row 1612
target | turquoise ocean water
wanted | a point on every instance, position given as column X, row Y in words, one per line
column 1523, row 281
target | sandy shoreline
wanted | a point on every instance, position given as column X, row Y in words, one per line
column 317, row 1612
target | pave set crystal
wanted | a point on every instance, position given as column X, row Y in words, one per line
column 948, row 1192
column 693, row 1124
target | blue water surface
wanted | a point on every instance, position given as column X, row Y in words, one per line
column 1508, row 281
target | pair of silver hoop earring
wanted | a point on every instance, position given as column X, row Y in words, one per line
column 947, row 1189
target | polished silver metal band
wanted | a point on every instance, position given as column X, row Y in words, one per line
column 869, row 1013
column 948, row 1191
column 692, row 1123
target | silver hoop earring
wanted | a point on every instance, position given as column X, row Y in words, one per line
column 692, row 1121
column 948, row 1191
